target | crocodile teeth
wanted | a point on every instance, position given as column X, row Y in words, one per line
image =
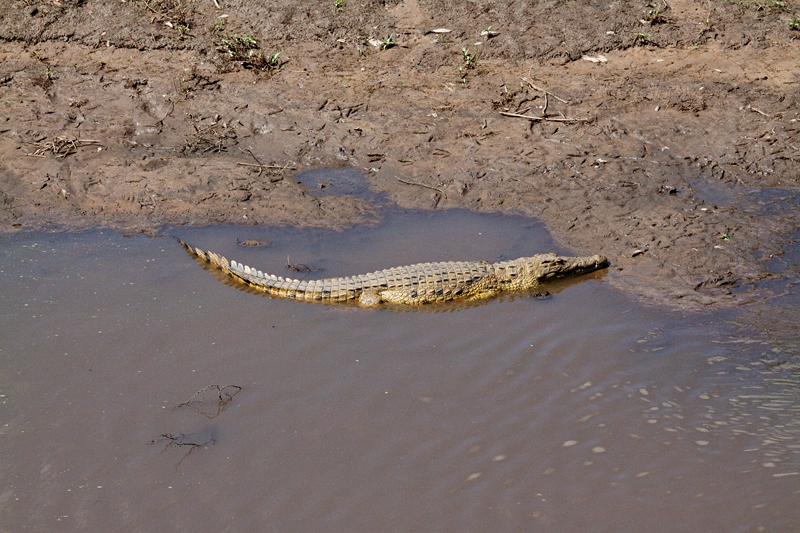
column 260, row 274
column 234, row 265
column 247, row 269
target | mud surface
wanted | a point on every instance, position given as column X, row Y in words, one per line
column 664, row 136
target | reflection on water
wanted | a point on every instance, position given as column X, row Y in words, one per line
column 582, row 411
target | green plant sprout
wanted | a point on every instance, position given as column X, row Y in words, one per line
column 469, row 59
column 236, row 42
column 388, row 42
column 219, row 25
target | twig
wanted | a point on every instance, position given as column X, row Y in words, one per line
column 61, row 146
column 219, row 393
column 563, row 119
column 546, row 92
column 284, row 167
column 751, row 108
column 260, row 166
column 180, row 440
column 544, row 109
column 223, row 395
column 440, row 191
column 300, row 267
column 147, row 5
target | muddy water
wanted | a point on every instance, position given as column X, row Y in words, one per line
column 584, row 411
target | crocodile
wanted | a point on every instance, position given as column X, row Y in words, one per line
column 413, row 285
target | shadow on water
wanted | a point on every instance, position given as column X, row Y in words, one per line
column 581, row 411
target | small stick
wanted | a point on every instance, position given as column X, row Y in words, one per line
column 534, row 87
column 544, row 109
column 61, row 146
column 751, row 108
column 284, row 167
column 219, row 393
column 260, row 166
column 147, row 5
column 564, row 119
column 249, row 151
column 300, row 267
column 440, row 191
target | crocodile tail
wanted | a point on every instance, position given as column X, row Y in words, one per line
column 210, row 257
column 239, row 272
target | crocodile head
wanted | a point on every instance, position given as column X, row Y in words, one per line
column 548, row 267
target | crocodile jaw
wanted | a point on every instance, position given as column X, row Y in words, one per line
column 548, row 267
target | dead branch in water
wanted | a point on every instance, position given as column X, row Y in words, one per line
column 224, row 397
column 300, row 267
column 181, row 440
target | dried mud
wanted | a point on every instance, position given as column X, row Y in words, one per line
column 681, row 164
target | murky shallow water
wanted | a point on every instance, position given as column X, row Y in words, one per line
column 582, row 412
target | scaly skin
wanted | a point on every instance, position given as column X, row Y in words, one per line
column 420, row 284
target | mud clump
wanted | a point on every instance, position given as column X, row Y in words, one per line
column 609, row 124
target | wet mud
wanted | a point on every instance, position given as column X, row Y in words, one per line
column 662, row 135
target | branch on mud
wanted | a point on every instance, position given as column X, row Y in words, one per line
column 546, row 92
column 440, row 191
column 261, row 167
column 751, row 108
column 211, row 137
column 61, row 146
column 547, row 119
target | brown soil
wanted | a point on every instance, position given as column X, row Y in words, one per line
column 681, row 163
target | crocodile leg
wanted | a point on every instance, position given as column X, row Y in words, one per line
column 370, row 299
column 488, row 293
column 400, row 296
